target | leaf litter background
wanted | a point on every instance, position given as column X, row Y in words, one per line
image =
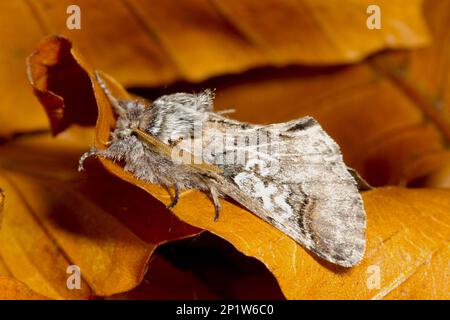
column 383, row 95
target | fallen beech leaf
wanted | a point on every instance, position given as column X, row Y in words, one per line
column 300, row 38
column 220, row 37
column 423, row 75
column 55, row 216
column 140, row 43
column 204, row 267
column 11, row 289
column 423, row 281
column 166, row 282
column 397, row 244
column 18, row 39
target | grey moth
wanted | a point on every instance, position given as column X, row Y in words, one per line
column 291, row 175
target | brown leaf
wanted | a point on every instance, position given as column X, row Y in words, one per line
column 20, row 33
column 49, row 64
column 165, row 281
column 204, row 267
column 55, row 217
column 220, row 37
column 11, row 289
column 323, row 32
column 152, row 43
column 424, row 77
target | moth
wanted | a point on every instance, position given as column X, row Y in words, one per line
column 291, row 175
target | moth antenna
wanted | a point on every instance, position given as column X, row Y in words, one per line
column 120, row 111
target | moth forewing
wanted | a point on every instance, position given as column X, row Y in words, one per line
column 307, row 193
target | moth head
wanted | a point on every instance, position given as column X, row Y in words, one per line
column 131, row 113
column 132, row 116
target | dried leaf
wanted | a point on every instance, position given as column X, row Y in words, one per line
column 55, row 217
column 11, row 289
column 220, row 37
column 324, row 31
column 204, row 267
column 18, row 40
column 140, row 43
column 424, row 77
column 167, row 282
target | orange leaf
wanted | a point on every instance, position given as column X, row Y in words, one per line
column 323, row 32
column 55, row 217
column 20, row 32
column 204, row 267
column 11, row 289
column 140, row 43
column 396, row 243
column 423, row 75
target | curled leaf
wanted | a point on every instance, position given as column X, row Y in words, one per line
column 65, row 102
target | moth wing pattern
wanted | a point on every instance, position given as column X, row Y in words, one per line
column 310, row 195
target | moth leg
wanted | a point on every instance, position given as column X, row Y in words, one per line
column 361, row 183
column 215, row 198
column 86, row 155
column 175, row 198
